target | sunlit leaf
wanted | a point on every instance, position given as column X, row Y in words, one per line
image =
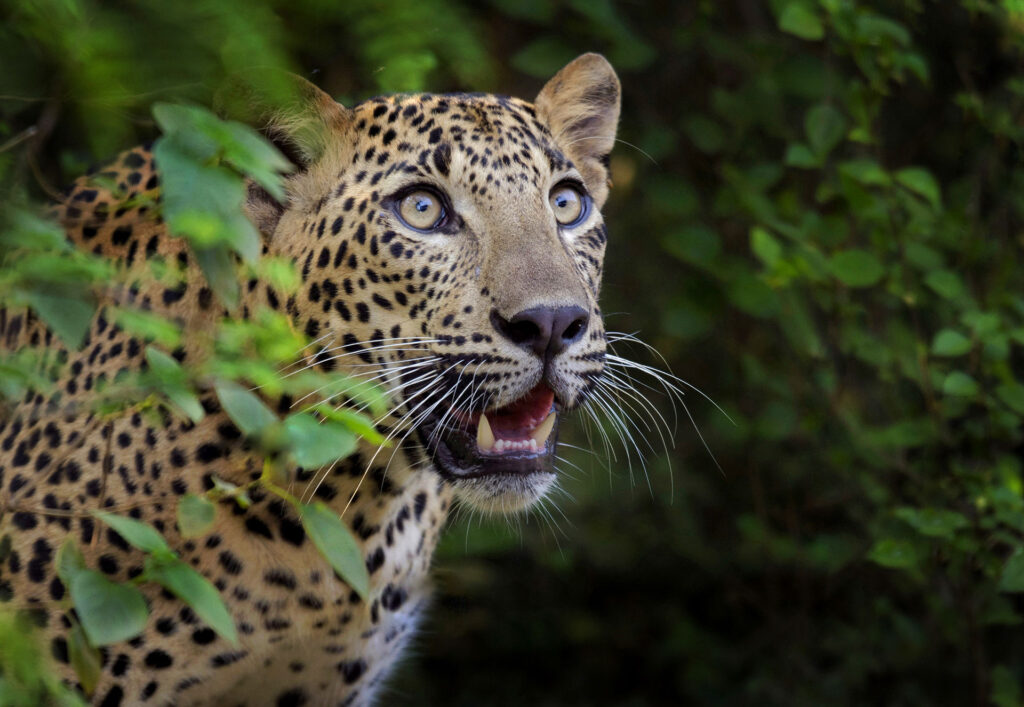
column 244, row 408
column 172, row 381
column 68, row 315
column 109, row 612
column 147, row 325
column 950, row 342
column 313, row 443
column 764, row 245
column 85, row 658
column 359, row 423
column 921, row 182
column 135, row 532
column 196, row 591
column 337, row 544
column 70, row 560
column 196, row 515
column 946, row 283
column 960, row 384
column 800, row 20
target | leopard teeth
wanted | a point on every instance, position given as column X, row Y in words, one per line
column 541, row 434
column 484, row 435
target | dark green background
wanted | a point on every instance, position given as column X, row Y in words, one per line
column 816, row 219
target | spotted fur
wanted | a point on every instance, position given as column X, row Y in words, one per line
column 306, row 637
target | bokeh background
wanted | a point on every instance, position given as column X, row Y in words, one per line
column 816, row 220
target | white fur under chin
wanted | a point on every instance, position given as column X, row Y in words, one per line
column 504, row 493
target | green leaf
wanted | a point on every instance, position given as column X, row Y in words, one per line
column 866, row 172
column 706, row 134
column 256, row 157
column 1012, row 393
column 68, row 315
column 949, row 342
column 85, row 658
column 903, row 434
column 800, row 20
column 923, row 257
column 203, row 201
column 960, row 384
column 171, row 380
column 921, row 182
column 142, row 535
column 695, row 244
column 856, row 268
column 280, row 274
column 542, row 57
column 824, row 126
column 752, row 295
column 933, row 522
column 359, row 423
column 244, row 408
column 239, row 144
column 147, row 325
column 894, row 554
column 25, row 229
column 1012, row 579
column 1005, row 687
column 983, row 324
column 196, row 515
column 109, row 612
column 313, row 443
column 219, row 270
column 767, row 249
column 69, row 560
column 336, row 543
column 799, row 155
column 946, row 283
column 196, row 591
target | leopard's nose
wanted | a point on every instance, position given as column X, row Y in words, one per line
column 546, row 331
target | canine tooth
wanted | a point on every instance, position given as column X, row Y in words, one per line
column 484, row 435
column 541, row 434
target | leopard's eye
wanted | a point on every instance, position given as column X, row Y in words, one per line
column 568, row 204
column 421, row 210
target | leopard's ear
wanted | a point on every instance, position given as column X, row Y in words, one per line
column 581, row 107
column 299, row 118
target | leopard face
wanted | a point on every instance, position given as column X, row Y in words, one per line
column 451, row 250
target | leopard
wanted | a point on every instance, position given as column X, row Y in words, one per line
column 451, row 243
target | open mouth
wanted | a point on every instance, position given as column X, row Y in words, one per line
column 518, row 439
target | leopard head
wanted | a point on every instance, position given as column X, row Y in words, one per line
column 451, row 250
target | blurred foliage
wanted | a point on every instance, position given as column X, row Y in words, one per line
column 817, row 218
